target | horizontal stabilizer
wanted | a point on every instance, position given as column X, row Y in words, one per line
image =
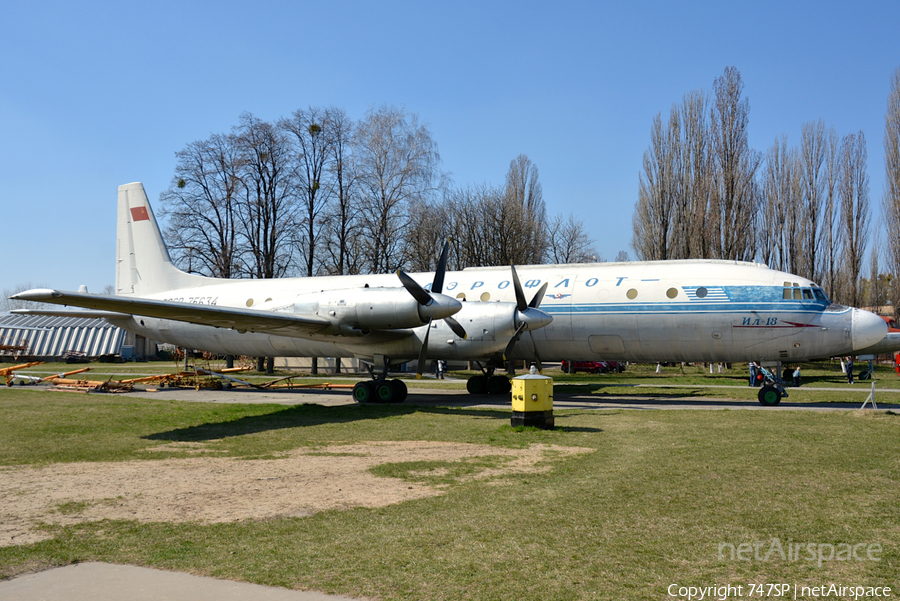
column 71, row 313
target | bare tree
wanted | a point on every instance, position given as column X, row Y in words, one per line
column 672, row 217
column 813, row 179
column 201, row 205
column 430, row 225
column 735, row 168
column 468, row 211
column 522, row 215
column 654, row 212
column 853, row 190
column 311, row 131
column 830, row 231
column 891, row 201
column 569, row 242
column 696, row 179
column 777, row 236
column 268, row 215
column 396, row 167
column 344, row 253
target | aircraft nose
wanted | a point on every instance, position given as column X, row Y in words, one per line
column 867, row 329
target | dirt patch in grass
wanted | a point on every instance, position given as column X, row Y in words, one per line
column 219, row 489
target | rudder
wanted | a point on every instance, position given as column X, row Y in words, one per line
column 143, row 265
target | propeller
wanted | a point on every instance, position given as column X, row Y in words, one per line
column 433, row 305
column 528, row 317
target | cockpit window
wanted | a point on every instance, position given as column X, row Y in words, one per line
column 894, row 325
column 792, row 291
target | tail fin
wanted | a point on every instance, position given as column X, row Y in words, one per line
column 143, row 265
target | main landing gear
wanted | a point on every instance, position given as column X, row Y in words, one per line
column 488, row 383
column 380, row 389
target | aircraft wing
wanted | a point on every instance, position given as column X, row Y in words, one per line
column 243, row 320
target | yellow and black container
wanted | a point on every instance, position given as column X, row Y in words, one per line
column 532, row 401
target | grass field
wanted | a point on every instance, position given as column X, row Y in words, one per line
column 660, row 498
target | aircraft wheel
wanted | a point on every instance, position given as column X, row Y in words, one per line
column 364, row 392
column 477, row 385
column 865, row 375
column 385, row 392
column 400, row 390
column 769, row 396
column 498, row 385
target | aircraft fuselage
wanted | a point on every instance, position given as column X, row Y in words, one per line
column 639, row 311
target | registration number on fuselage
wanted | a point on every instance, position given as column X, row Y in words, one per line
column 196, row 300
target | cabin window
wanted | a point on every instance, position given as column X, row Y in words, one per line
column 891, row 324
column 632, row 294
column 485, row 296
column 701, row 292
column 672, row 292
column 461, row 296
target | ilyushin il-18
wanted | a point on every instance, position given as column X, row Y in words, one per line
column 642, row 311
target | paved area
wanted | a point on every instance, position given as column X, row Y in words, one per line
column 110, row 582
column 636, row 397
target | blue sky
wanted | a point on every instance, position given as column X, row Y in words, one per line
column 97, row 94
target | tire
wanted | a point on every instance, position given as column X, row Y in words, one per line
column 477, row 385
column 769, row 396
column 400, row 390
column 363, row 392
column 865, row 375
column 498, row 385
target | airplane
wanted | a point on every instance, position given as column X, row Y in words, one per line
column 650, row 311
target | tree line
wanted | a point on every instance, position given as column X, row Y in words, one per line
column 317, row 193
column 705, row 193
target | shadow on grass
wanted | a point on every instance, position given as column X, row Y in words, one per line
column 290, row 417
column 298, row 416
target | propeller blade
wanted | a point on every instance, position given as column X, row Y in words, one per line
column 520, row 294
column 540, row 366
column 512, row 341
column 456, row 327
column 438, row 284
column 536, row 301
column 420, row 294
column 422, row 352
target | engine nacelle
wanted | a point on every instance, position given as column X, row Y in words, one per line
column 355, row 311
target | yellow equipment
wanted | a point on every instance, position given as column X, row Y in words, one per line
column 532, row 401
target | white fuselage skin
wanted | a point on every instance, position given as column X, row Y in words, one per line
column 720, row 311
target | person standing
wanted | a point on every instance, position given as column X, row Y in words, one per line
column 797, row 376
column 753, row 372
column 850, row 370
